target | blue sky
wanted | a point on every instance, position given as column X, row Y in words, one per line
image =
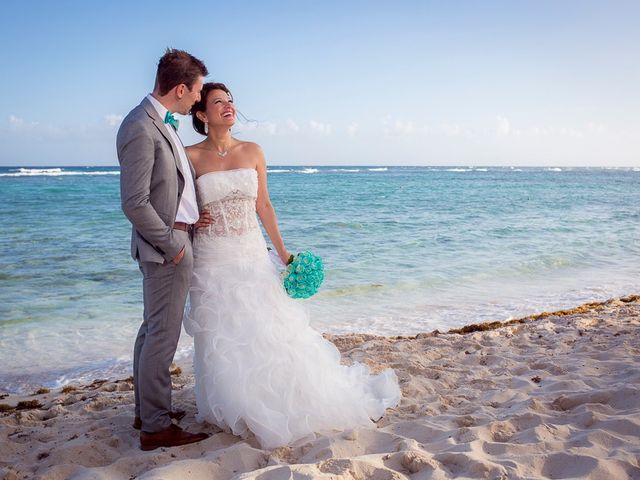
column 551, row 83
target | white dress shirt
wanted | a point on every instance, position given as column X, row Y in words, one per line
column 188, row 208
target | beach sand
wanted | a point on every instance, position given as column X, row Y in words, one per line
column 549, row 396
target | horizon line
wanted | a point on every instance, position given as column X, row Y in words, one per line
column 358, row 166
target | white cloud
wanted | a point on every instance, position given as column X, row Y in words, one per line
column 249, row 125
column 15, row 121
column 595, row 127
column 557, row 132
column 504, row 126
column 113, row 119
column 19, row 124
column 322, row 128
column 270, row 127
column 352, row 129
column 450, row 129
column 409, row 128
column 537, row 131
column 398, row 126
column 293, row 126
column 570, row 132
column 404, row 127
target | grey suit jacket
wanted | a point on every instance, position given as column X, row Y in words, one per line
column 151, row 184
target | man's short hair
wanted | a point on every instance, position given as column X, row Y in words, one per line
column 177, row 67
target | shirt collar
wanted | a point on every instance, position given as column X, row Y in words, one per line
column 161, row 109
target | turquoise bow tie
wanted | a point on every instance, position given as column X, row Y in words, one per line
column 171, row 120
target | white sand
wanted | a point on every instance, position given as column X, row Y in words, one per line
column 553, row 397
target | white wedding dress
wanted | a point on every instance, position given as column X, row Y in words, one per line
column 258, row 364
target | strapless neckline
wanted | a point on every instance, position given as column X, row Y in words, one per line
column 226, row 171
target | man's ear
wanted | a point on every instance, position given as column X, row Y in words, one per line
column 181, row 90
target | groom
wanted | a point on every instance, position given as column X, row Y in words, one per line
column 158, row 197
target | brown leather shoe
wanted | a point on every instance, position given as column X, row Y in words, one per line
column 172, row 436
column 176, row 415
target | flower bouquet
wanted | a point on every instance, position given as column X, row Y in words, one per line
column 303, row 273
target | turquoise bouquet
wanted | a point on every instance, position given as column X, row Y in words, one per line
column 304, row 275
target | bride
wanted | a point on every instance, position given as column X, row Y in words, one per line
column 258, row 364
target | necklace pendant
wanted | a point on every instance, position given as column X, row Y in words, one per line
column 223, row 153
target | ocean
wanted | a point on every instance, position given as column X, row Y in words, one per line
column 406, row 250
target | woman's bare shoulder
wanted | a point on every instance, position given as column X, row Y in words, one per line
column 195, row 153
column 248, row 145
column 250, row 149
column 196, row 148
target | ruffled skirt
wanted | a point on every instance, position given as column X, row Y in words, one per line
column 258, row 364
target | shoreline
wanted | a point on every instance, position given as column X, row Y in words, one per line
column 552, row 395
column 336, row 338
column 183, row 358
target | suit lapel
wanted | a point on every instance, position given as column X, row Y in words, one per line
column 159, row 123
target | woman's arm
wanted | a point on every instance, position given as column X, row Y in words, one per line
column 193, row 152
column 265, row 209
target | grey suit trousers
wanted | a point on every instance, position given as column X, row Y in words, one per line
column 165, row 287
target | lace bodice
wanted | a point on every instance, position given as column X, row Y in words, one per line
column 230, row 196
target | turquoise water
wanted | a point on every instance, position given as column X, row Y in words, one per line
column 406, row 250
